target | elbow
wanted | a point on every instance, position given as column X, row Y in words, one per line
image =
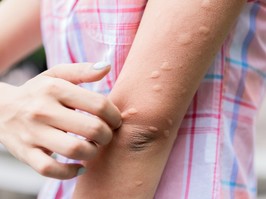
column 141, row 138
column 146, row 127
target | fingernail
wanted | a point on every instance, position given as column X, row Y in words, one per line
column 81, row 171
column 101, row 65
column 117, row 127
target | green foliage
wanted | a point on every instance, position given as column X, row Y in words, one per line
column 37, row 58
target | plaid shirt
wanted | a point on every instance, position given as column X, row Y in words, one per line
column 213, row 155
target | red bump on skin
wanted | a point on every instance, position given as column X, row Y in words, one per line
column 170, row 122
column 132, row 111
column 157, row 88
column 166, row 133
column 166, row 67
column 185, row 39
column 124, row 115
column 155, row 74
column 139, row 183
column 204, row 30
column 153, row 129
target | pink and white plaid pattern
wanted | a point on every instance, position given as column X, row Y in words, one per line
column 212, row 157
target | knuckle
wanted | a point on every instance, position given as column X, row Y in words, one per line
column 86, row 126
column 75, row 149
column 45, row 168
column 97, row 127
column 27, row 137
column 38, row 110
column 108, row 137
column 101, row 105
column 83, row 150
column 101, row 133
column 51, row 86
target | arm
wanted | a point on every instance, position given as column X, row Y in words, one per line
column 20, row 30
column 35, row 116
column 176, row 41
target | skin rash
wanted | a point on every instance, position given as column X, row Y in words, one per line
column 136, row 153
column 155, row 74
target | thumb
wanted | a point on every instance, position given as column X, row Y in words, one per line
column 80, row 72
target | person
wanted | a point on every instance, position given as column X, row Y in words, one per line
column 35, row 116
column 191, row 83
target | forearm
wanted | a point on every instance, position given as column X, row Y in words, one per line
column 174, row 46
column 20, row 30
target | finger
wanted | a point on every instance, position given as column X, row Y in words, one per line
column 96, row 104
column 90, row 127
column 66, row 145
column 79, row 73
column 47, row 166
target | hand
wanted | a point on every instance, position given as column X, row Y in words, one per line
column 35, row 117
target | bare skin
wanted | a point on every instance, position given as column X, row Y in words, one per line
column 35, row 116
column 20, row 32
column 132, row 164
